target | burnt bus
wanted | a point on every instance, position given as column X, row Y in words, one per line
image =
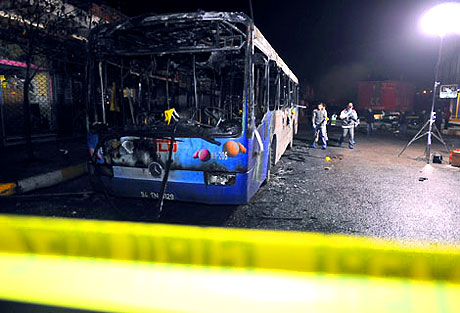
column 192, row 107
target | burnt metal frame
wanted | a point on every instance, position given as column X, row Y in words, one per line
column 102, row 33
column 230, row 20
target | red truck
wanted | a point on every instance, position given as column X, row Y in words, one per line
column 388, row 96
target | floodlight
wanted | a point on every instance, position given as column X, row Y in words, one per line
column 442, row 19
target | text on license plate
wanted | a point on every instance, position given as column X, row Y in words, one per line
column 155, row 195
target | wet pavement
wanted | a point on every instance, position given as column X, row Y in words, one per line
column 365, row 191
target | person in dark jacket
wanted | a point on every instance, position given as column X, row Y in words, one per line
column 422, row 117
column 447, row 115
column 403, row 123
column 370, row 121
column 319, row 122
column 439, row 118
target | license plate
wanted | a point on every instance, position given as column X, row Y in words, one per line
column 155, row 195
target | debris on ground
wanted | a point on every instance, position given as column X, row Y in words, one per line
column 296, row 157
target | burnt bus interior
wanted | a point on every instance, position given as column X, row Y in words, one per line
column 148, row 65
column 196, row 64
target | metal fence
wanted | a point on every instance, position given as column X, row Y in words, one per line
column 57, row 103
column 43, row 117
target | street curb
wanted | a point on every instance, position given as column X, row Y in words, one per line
column 43, row 180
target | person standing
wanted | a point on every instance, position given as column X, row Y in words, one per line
column 447, row 115
column 403, row 123
column 370, row 121
column 319, row 122
column 349, row 119
column 422, row 117
column 439, row 119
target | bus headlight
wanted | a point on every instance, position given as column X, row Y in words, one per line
column 220, row 179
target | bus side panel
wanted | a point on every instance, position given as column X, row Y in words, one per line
column 295, row 111
column 259, row 158
column 198, row 154
column 283, row 129
column 279, row 132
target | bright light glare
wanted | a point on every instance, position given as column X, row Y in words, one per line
column 427, row 169
column 442, row 19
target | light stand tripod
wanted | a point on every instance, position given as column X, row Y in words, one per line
column 430, row 123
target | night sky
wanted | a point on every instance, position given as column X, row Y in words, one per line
column 331, row 43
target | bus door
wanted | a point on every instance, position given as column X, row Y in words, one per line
column 276, row 113
column 289, row 111
column 261, row 117
column 285, row 131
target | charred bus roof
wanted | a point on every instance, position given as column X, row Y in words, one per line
column 154, row 34
column 172, row 33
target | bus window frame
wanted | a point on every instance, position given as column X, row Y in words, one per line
column 260, row 96
column 248, row 110
column 275, row 72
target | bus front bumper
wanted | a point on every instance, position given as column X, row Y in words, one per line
column 183, row 185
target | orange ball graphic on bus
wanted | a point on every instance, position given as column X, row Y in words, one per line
column 232, row 148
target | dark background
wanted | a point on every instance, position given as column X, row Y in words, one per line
column 331, row 44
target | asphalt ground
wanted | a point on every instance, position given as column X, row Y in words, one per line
column 365, row 191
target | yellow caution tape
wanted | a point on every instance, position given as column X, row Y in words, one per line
column 134, row 267
column 119, row 286
column 334, row 254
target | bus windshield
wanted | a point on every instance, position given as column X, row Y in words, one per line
column 193, row 69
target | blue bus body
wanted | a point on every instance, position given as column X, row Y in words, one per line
column 189, row 177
